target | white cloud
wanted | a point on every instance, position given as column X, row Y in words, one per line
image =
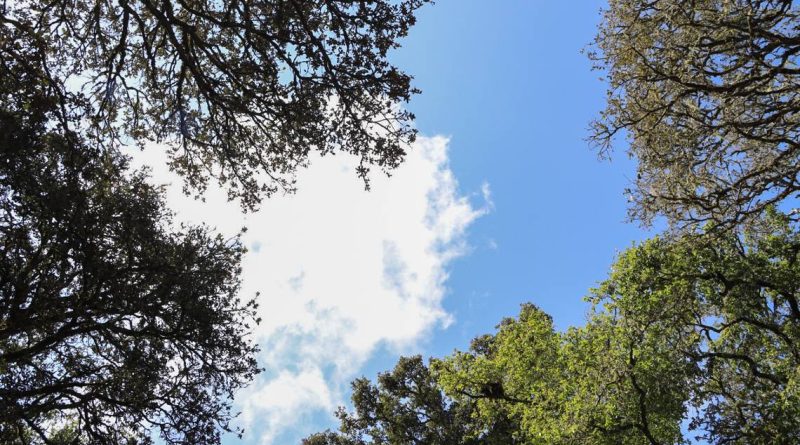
column 283, row 398
column 341, row 272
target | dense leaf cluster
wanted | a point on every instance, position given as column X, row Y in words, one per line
column 688, row 339
column 407, row 406
column 730, row 310
column 115, row 325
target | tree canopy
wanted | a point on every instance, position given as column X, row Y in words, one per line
column 115, row 325
column 241, row 91
column 729, row 309
column 587, row 385
column 707, row 94
column 407, row 407
column 688, row 338
column 694, row 335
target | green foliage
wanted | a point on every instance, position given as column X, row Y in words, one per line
column 583, row 386
column 693, row 331
column 728, row 307
column 511, row 374
column 706, row 92
column 407, row 407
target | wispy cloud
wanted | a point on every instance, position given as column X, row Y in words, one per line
column 342, row 272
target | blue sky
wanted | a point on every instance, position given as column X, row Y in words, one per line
column 501, row 202
column 509, row 84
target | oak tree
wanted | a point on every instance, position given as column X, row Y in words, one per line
column 116, row 325
column 598, row 384
column 729, row 308
column 242, row 91
column 689, row 338
column 406, row 406
column 707, row 94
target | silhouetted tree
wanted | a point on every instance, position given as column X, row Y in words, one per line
column 114, row 323
column 241, row 90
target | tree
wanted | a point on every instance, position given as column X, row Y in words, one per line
column 526, row 384
column 242, row 90
column 698, row 330
column 585, row 386
column 407, row 406
column 691, row 337
column 729, row 307
column 707, row 94
column 113, row 322
column 500, row 373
